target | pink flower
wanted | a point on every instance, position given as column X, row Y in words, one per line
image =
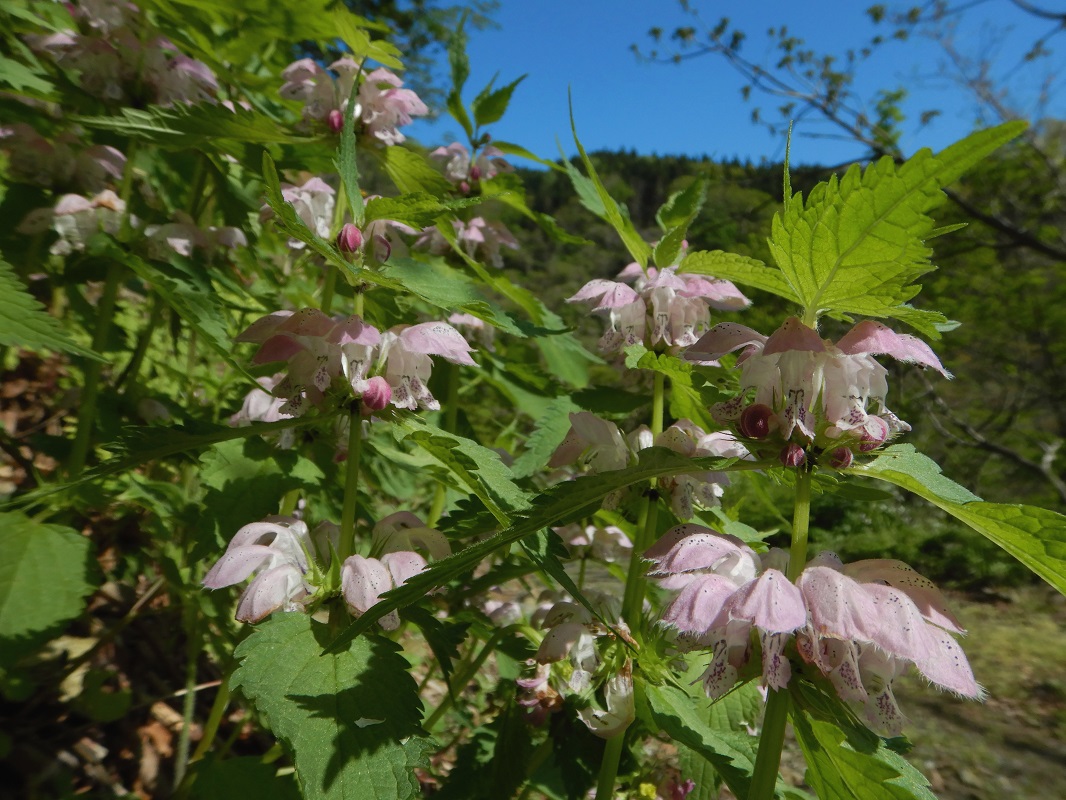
column 76, row 219
column 313, row 202
column 364, row 580
column 815, row 391
column 726, row 591
column 406, row 352
column 276, row 551
column 385, row 106
column 867, row 621
column 458, row 166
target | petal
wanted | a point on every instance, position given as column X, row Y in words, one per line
column 557, row 642
column 793, row 335
column 363, row 581
column 270, row 591
column 438, row 338
column 770, row 602
column 236, row 564
column 877, row 338
column 725, row 337
column 700, row 607
column 922, row 591
column 403, row 565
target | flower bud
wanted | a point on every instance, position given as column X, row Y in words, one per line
column 464, row 187
column 840, row 458
column 336, row 120
column 350, row 239
column 475, row 173
column 793, row 455
column 874, row 433
column 755, row 421
column 377, row 394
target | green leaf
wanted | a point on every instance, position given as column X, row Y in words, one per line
column 350, row 719
column 732, row 754
column 212, row 128
column 25, row 323
column 21, row 78
column 512, row 149
column 548, row 433
column 609, row 211
column 244, row 776
column 44, row 580
column 489, row 106
column 559, row 505
column 347, row 166
column 410, row 171
column 1034, row 536
column 417, row 209
column 477, row 468
column 675, row 215
column 852, row 764
column 443, row 638
column 858, row 243
column 347, row 27
column 739, row 269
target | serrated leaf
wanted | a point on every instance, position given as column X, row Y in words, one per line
column 410, row 171
column 732, row 754
column 548, row 433
column 347, row 165
column 43, row 580
column 25, row 323
column 559, row 505
column 22, row 79
column 347, row 27
column 739, row 269
column 476, row 467
column 344, row 716
column 858, row 243
column 843, row 767
column 202, row 126
column 417, row 209
column 1034, row 536
column 675, row 215
column 489, row 106
column 611, row 212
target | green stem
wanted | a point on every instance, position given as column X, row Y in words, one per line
column 331, row 270
column 214, row 720
column 612, row 754
column 351, row 483
column 767, row 762
column 128, row 377
column 328, row 290
column 451, row 417
column 768, row 759
column 462, row 677
column 192, row 655
column 79, row 451
column 647, row 524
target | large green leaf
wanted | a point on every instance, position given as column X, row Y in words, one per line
column 25, row 323
column 1034, row 536
column 350, row 718
column 858, row 243
column 845, row 761
column 732, row 754
column 739, row 269
column 44, row 579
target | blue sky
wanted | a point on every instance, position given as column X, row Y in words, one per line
column 696, row 108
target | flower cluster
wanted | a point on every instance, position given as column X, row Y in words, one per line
column 601, row 446
column 76, row 219
column 114, row 63
column 320, row 350
column 477, row 236
column 812, row 392
column 662, row 308
column 577, row 642
column 60, row 161
column 464, row 171
column 860, row 625
column 382, row 105
column 290, row 565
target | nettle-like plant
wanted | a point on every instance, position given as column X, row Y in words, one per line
column 466, row 571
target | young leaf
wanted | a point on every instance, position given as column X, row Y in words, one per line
column 350, row 718
column 675, row 215
column 410, row 171
column 460, row 70
column 858, row 243
column 1034, row 536
column 211, row 128
column 347, row 166
column 611, row 212
column 360, row 43
column 417, row 209
column 43, row 580
column 25, row 323
column 489, row 106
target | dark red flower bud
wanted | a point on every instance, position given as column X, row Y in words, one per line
column 793, row 455
column 377, row 394
column 336, row 120
column 350, row 239
column 475, row 173
column 874, row 433
column 755, row 421
column 841, row 458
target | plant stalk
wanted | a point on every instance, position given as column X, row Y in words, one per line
column 462, row 678
column 451, row 416
column 768, row 760
column 612, row 754
column 351, row 483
